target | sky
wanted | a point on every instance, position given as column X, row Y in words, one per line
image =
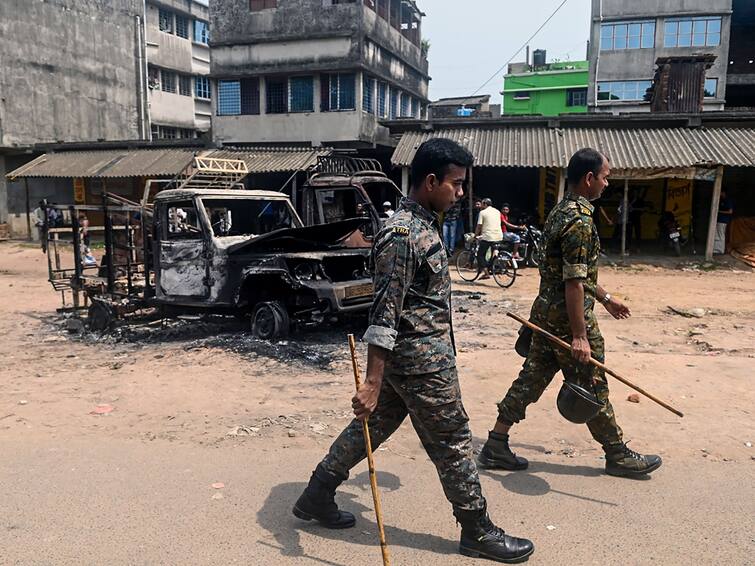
column 469, row 40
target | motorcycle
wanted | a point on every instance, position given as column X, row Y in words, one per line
column 671, row 232
column 529, row 246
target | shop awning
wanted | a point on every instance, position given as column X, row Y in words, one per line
column 160, row 162
column 628, row 149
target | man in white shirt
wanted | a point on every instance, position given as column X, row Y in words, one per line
column 489, row 232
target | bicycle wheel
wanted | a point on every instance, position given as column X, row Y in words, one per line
column 466, row 265
column 504, row 270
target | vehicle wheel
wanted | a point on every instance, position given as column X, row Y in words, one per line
column 466, row 265
column 504, row 271
column 270, row 321
column 101, row 317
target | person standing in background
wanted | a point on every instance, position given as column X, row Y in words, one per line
column 450, row 224
column 725, row 212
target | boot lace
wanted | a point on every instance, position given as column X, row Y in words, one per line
column 490, row 528
column 629, row 453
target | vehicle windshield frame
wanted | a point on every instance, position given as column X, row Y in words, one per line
column 206, row 202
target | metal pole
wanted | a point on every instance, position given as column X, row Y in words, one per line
column 77, row 279
column 470, row 186
column 624, row 216
column 28, row 210
column 714, row 203
column 109, row 248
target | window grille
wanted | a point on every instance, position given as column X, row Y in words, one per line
column 415, row 108
column 166, row 20
column 338, row 92
column 229, row 98
column 382, row 96
column 257, row 5
column 368, row 94
column 182, row 27
column 301, row 94
column 201, row 32
column 404, row 105
column 392, row 112
column 250, row 96
column 168, row 133
column 627, row 35
column 202, row 87
column 153, row 79
column 184, row 85
column 576, row 97
column 692, row 32
column 623, row 90
column 276, row 96
column 168, row 81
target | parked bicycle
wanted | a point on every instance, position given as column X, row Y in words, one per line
column 503, row 266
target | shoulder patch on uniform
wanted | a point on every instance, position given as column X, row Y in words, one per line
column 400, row 230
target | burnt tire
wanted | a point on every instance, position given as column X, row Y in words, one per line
column 100, row 317
column 270, row 321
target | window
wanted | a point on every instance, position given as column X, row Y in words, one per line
column 404, row 105
column 393, row 110
column 168, row 133
column 168, row 81
column 257, row 5
column 301, row 94
column 276, row 96
column 250, row 96
column 576, row 97
column 415, row 107
column 166, row 20
column 184, row 85
column 201, row 32
column 182, row 221
column 623, row 90
column 627, row 35
column 153, row 77
column 201, row 87
column 155, row 130
column 182, row 27
column 522, row 95
column 247, row 217
column 338, row 92
column 368, row 94
column 711, row 88
column 229, row 98
column 382, row 96
column 692, row 32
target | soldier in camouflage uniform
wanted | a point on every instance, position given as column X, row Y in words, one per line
column 564, row 307
column 411, row 362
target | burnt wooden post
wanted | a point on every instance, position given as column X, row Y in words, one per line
column 28, row 212
column 624, row 217
column 78, row 273
column 109, row 248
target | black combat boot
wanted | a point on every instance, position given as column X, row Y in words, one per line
column 496, row 454
column 480, row 538
column 318, row 501
column 623, row 462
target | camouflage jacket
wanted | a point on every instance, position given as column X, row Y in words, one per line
column 411, row 312
column 570, row 250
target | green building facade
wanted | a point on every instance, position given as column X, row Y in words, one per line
column 547, row 90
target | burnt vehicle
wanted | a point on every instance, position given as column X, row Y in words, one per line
column 237, row 252
column 248, row 253
column 343, row 187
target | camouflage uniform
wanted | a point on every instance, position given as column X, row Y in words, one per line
column 411, row 317
column 570, row 251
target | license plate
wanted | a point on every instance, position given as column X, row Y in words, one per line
column 358, row 291
column 674, row 235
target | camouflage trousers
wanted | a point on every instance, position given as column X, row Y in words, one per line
column 433, row 403
column 544, row 361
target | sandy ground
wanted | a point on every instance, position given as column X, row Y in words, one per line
column 199, row 402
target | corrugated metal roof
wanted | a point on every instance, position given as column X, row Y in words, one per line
column 108, row 163
column 273, row 160
column 650, row 148
column 161, row 162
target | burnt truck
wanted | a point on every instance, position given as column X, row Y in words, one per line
column 209, row 250
column 248, row 253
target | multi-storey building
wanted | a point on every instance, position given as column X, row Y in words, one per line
column 545, row 89
column 627, row 38
column 318, row 71
column 740, row 75
column 86, row 71
column 178, row 59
